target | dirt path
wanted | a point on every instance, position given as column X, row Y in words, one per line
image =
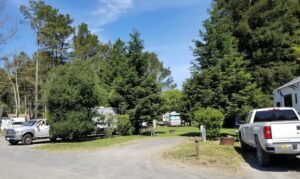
column 136, row 160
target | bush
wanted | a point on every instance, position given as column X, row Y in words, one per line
column 124, row 126
column 70, row 98
column 212, row 119
column 109, row 124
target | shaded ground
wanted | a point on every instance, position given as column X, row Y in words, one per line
column 140, row 159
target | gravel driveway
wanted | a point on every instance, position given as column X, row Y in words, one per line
column 139, row 159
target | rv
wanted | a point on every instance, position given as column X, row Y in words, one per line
column 106, row 117
column 172, row 118
column 287, row 95
column 11, row 122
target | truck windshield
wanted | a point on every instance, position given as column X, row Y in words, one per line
column 29, row 123
column 275, row 115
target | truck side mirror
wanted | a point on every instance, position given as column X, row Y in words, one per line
column 239, row 122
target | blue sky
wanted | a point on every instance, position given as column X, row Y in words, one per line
column 167, row 27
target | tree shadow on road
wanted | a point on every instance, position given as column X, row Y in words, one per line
column 59, row 140
column 190, row 134
column 279, row 163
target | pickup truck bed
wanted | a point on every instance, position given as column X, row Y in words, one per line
column 271, row 131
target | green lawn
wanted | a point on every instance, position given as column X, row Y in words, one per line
column 179, row 131
column 106, row 142
column 212, row 155
column 190, row 131
column 88, row 145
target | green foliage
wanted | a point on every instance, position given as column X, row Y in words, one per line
column 268, row 34
column 110, row 125
column 70, row 97
column 172, row 100
column 133, row 87
column 163, row 75
column 52, row 29
column 212, row 119
column 124, row 126
column 85, row 43
column 220, row 78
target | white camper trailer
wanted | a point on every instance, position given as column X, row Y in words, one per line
column 287, row 95
column 106, row 116
column 172, row 118
column 12, row 122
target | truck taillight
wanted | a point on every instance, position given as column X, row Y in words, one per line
column 267, row 132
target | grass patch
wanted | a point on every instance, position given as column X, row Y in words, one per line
column 179, row 131
column 88, row 145
column 212, row 155
column 190, row 131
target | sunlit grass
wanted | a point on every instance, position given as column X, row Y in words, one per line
column 88, row 145
column 212, row 155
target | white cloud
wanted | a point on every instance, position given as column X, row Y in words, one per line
column 152, row 5
column 109, row 11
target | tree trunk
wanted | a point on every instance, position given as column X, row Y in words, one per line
column 17, row 94
column 25, row 105
column 36, row 86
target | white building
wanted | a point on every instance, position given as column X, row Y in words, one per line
column 288, row 94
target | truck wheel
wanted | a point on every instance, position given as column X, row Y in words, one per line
column 27, row 139
column 53, row 139
column 244, row 146
column 262, row 156
column 13, row 142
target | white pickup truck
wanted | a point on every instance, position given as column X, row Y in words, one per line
column 271, row 131
column 29, row 131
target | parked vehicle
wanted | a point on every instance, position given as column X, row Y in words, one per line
column 172, row 119
column 287, row 94
column 29, row 131
column 271, row 131
column 11, row 122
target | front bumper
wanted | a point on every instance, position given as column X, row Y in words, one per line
column 283, row 148
column 13, row 138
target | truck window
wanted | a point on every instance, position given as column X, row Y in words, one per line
column 248, row 118
column 275, row 115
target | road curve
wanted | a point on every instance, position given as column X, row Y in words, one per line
column 140, row 159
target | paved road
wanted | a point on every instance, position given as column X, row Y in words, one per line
column 136, row 160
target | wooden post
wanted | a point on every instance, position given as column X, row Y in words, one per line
column 197, row 148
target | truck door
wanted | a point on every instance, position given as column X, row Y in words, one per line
column 246, row 128
column 42, row 129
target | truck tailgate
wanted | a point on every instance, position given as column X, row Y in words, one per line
column 286, row 131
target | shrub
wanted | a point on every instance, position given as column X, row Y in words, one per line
column 124, row 126
column 212, row 119
column 109, row 123
column 70, row 97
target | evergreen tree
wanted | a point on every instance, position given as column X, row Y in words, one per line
column 85, row 43
column 219, row 77
column 70, row 97
column 135, row 89
column 268, row 34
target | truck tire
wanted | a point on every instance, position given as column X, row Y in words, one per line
column 27, row 139
column 53, row 139
column 13, row 142
column 262, row 156
column 244, row 146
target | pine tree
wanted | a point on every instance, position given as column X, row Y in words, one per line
column 268, row 34
column 219, row 77
column 85, row 43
